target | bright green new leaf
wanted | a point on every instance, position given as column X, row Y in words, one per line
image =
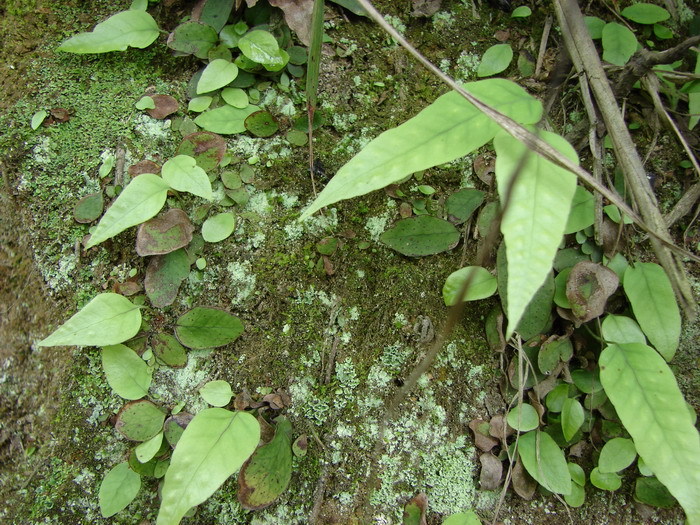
column 496, row 59
column 235, row 97
column 619, row 43
column 213, row 447
column 578, row 476
column 582, row 214
column 463, row 518
column 127, row 374
column 523, row 417
column 521, row 12
column 448, row 129
column 145, row 103
column 645, row 394
column 620, row 329
column 217, row 393
column 118, row 488
column 605, row 480
column 108, row 319
column 267, row 473
column 139, row 5
column 595, row 26
column 199, row 104
column 482, row 284
column 133, row 28
column 544, row 461
column 204, row 327
column 217, row 74
column 226, row 120
column 537, row 214
column 183, row 174
column 616, row 455
column 644, row 13
column 577, row 496
column 572, row 417
column 147, row 450
column 218, row 227
column 142, row 199
column 262, row 47
column 654, row 305
column 38, row 118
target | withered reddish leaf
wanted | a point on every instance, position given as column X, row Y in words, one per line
column 482, row 439
column 523, row 484
column 128, row 288
column 588, row 288
column 205, row 147
column 502, row 35
column 300, row 446
column 425, row 8
column 164, row 275
column 491, row 471
column 144, row 166
column 165, row 105
column 405, row 210
column 242, row 401
column 499, row 428
column 164, row 234
column 415, row 510
column 484, row 168
column 60, row 115
column 274, row 400
column 297, row 14
column 267, row 431
column 328, row 265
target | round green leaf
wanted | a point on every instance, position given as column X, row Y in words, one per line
column 261, row 47
column 578, row 476
column 652, row 492
column 521, row 12
column 461, row 204
column 582, row 214
column 556, row 397
column 617, row 455
column 108, row 319
column 496, row 59
column 482, row 284
column 127, row 374
column 235, row 97
column 126, row 29
column 619, row 43
column 419, row 236
column 140, row 420
column 662, row 32
column 193, row 38
column 218, row 227
column 523, row 417
column 463, row 518
column 217, row 393
column 603, row 481
column 213, row 447
column 217, row 74
column 205, row 327
column 297, row 138
column 199, row 104
column 261, row 124
column 89, row 208
column 577, row 496
column 621, row 329
column 183, row 174
column 572, row 417
column 595, row 26
column 145, row 103
column 644, row 13
column 226, row 120
column 139, row 201
column 118, row 488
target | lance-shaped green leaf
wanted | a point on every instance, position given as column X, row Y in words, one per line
column 139, row 201
column 535, row 218
column 268, row 471
column 127, row 374
column 118, row 488
column 645, row 394
column 213, row 447
column 545, row 461
column 126, row 29
column 654, row 305
column 108, row 319
column 183, row 174
column 447, row 129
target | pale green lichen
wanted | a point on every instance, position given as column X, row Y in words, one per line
column 174, row 385
column 241, row 282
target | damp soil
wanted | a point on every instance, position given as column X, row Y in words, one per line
column 322, row 338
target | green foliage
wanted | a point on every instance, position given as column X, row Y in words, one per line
column 262, row 47
column 616, row 455
column 207, row 328
column 644, row 13
column 140, row 420
column 118, row 488
column 217, row 74
column 108, row 319
column 225, row 120
column 523, row 417
column 216, row 393
column 495, row 60
column 213, row 447
column 420, row 236
column 181, row 173
column 654, row 305
column 482, row 284
column 572, row 417
column 127, row 374
column 521, row 12
column 619, row 43
column 463, row 518
column 133, row 28
column 649, row 403
column 38, row 118
column 448, row 129
column 544, row 461
column 536, row 217
column 218, row 227
column 142, row 199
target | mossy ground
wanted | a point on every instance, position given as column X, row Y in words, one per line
column 338, row 344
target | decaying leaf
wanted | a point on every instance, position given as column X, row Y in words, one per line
column 164, row 234
column 523, row 484
column 482, row 439
column 127, row 288
column 499, row 428
column 206, row 148
column 425, row 8
column 144, row 166
column 297, row 14
column 491, row 471
column 484, row 168
column 415, row 509
column 164, row 275
column 165, row 105
column 588, row 288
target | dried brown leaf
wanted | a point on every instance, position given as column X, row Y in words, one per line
column 425, row 8
column 588, row 288
column 482, row 439
column 144, row 166
column 164, row 234
column 523, row 484
column 491, row 471
column 297, row 14
column 165, row 105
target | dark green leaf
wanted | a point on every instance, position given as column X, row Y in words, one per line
column 419, row 236
column 619, row 43
column 544, row 461
column 89, row 208
column 644, row 13
column 572, row 417
column 140, row 420
column 204, row 327
column 261, row 124
column 168, row 350
column 496, row 59
column 193, row 38
column 461, row 204
column 651, row 492
column 118, row 488
column 164, row 275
